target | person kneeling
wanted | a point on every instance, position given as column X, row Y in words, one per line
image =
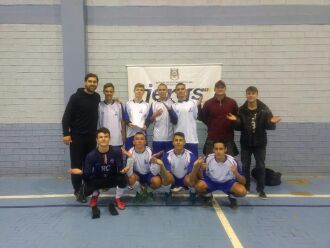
column 103, row 169
column 219, row 171
column 141, row 171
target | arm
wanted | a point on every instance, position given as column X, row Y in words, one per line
column 236, row 120
column 164, row 173
column 196, row 171
column 271, row 120
column 66, row 122
column 173, row 116
column 235, row 168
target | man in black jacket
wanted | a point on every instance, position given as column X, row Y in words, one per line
column 254, row 118
column 79, row 124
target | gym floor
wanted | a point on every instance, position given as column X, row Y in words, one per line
column 42, row 212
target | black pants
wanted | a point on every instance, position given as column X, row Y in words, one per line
column 231, row 148
column 81, row 145
column 89, row 186
column 259, row 154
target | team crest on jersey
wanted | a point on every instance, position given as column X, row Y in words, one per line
column 174, row 74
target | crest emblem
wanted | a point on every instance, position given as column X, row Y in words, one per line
column 174, row 74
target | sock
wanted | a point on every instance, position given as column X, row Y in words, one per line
column 119, row 192
column 136, row 186
column 96, row 193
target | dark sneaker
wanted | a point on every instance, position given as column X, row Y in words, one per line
column 168, row 197
column 262, row 195
column 232, row 202
column 139, row 197
column 80, row 197
column 207, row 199
column 192, row 197
column 96, row 213
column 112, row 209
column 151, row 195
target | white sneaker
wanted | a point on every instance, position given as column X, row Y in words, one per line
column 177, row 189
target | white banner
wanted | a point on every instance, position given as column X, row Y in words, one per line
column 199, row 79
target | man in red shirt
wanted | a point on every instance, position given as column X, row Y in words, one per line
column 214, row 115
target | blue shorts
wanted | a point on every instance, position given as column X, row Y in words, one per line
column 213, row 186
column 158, row 146
column 144, row 178
column 178, row 182
column 193, row 148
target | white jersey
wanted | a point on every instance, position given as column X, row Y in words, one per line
column 179, row 165
column 141, row 162
column 136, row 113
column 220, row 172
column 111, row 116
column 163, row 128
column 187, row 115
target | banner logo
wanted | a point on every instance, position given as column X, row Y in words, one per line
column 174, row 74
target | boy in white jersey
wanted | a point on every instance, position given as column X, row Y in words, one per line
column 111, row 116
column 187, row 112
column 219, row 171
column 136, row 115
column 162, row 114
column 141, row 171
column 176, row 165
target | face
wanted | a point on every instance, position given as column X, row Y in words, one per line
column 138, row 92
column 180, row 91
column 219, row 150
column 220, row 91
column 139, row 141
column 103, row 139
column 251, row 96
column 162, row 91
column 91, row 84
column 108, row 93
column 178, row 142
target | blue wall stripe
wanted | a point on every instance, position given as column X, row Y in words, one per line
column 173, row 15
column 208, row 15
column 30, row 14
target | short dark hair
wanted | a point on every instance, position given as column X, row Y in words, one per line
column 220, row 84
column 219, row 141
column 88, row 75
column 251, row 89
column 162, row 84
column 180, row 134
column 108, row 85
column 102, row 130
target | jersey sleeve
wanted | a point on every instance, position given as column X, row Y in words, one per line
column 166, row 162
column 191, row 162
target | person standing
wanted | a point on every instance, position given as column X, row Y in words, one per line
column 79, row 124
column 213, row 115
column 254, row 118
column 111, row 117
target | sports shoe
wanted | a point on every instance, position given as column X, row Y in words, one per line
column 120, row 204
column 168, row 197
column 192, row 197
column 93, row 201
column 96, row 213
column 80, row 197
column 139, row 197
column 177, row 189
column 232, row 202
column 262, row 195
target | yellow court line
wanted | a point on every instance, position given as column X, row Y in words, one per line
column 226, row 225
column 2, row 197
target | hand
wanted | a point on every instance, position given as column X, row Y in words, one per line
column 75, row 171
column 127, row 153
column 67, row 140
column 126, row 169
column 275, row 119
column 204, row 166
column 155, row 160
column 231, row 117
column 158, row 154
column 199, row 102
column 131, row 125
column 157, row 113
column 199, row 161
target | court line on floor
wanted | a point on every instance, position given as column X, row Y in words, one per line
column 2, row 197
column 226, row 225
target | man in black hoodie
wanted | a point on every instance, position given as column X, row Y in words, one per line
column 79, row 124
column 254, row 118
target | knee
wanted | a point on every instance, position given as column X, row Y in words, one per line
column 155, row 182
column 201, row 186
column 240, row 191
column 132, row 179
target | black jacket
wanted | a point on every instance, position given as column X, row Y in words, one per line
column 243, row 124
column 81, row 114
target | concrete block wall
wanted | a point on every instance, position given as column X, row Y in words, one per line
column 283, row 50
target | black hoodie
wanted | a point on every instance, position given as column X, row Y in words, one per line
column 81, row 114
column 258, row 138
